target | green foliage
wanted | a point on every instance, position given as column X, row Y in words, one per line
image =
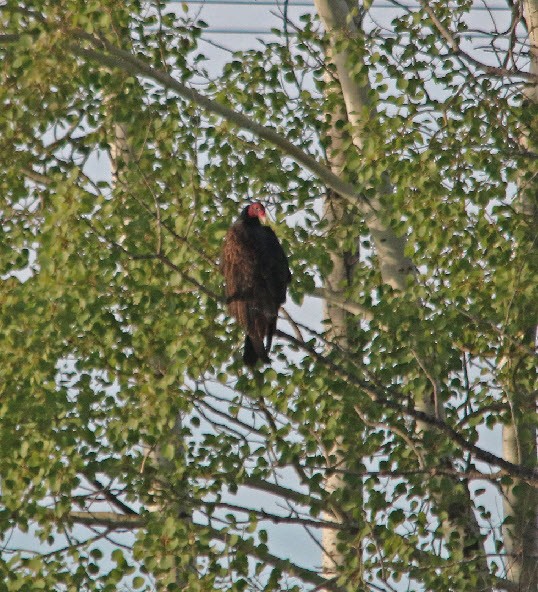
column 121, row 385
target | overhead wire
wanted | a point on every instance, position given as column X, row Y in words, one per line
column 310, row 4
column 232, row 31
column 383, row 4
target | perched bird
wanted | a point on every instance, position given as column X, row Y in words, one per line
column 257, row 275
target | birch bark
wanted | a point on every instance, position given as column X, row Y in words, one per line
column 520, row 500
column 395, row 267
column 340, row 275
column 120, row 157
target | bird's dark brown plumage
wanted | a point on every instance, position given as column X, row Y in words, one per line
column 257, row 275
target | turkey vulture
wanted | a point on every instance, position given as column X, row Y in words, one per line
column 257, row 275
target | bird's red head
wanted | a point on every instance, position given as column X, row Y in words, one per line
column 256, row 210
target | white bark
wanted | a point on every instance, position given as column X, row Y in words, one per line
column 520, row 501
column 333, row 557
column 530, row 8
column 119, row 152
column 395, row 267
column 389, row 248
column 120, row 157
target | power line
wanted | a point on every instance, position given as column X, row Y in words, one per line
column 232, row 31
column 245, row 2
column 522, row 39
column 309, row 4
column 384, row 4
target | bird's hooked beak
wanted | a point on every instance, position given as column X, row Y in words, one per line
column 266, row 219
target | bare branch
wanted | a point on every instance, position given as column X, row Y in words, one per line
column 455, row 48
column 276, row 519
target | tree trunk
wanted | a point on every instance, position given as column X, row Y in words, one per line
column 520, row 500
column 338, row 321
column 394, row 265
column 520, row 503
column 395, row 268
column 120, row 157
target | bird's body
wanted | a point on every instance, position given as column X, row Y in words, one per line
column 256, row 271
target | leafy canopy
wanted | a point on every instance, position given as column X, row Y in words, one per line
column 116, row 346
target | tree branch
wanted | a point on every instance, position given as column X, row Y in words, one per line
column 285, row 565
column 119, row 58
column 455, row 48
column 276, row 519
column 109, row 496
column 108, row 519
column 278, row 490
column 379, row 396
column 347, row 305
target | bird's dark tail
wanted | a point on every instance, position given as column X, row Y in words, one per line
column 251, row 354
column 250, row 357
